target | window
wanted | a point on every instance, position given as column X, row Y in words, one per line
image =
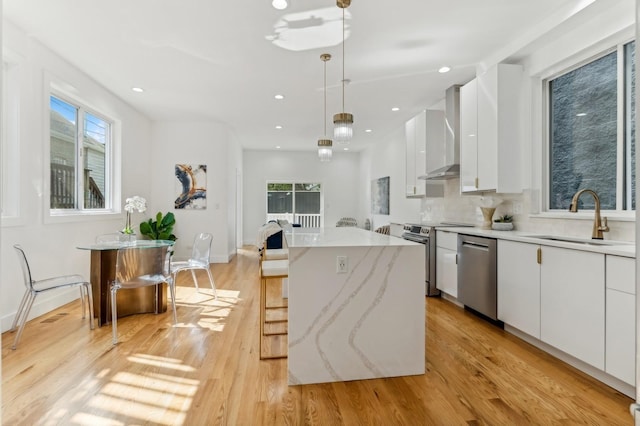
column 80, row 146
column 299, row 203
column 587, row 107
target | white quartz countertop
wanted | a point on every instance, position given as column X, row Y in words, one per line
column 618, row 248
column 346, row 236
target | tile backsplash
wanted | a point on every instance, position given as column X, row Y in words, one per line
column 455, row 207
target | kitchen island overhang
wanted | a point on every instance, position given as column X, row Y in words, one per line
column 366, row 323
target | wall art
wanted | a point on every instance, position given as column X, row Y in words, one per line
column 191, row 186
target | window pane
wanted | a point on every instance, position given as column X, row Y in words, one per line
column 308, row 202
column 279, row 187
column 63, row 133
column 630, row 125
column 307, row 187
column 96, row 135
column 584, row 134
column 279, row 202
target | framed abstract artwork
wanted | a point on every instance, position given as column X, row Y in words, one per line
column 191, row 186
column 380, row 196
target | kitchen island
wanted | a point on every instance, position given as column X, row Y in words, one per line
column 366, row 322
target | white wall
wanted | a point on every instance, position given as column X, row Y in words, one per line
column 340, row 181
column 387, row 158
column 196, row 143
column 51, row 244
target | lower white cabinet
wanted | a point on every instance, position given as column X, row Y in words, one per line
column 572, row 303
column 446, row 262
column 620, row 319
column 519, row 286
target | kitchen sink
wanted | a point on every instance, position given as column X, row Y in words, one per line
column 586, row 241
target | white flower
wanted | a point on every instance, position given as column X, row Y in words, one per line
column 135, row 203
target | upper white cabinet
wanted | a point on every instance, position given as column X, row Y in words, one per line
column 425, row 128
column 621, row 319
column 491, row 131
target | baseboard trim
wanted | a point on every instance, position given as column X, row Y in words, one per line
column 43, row 305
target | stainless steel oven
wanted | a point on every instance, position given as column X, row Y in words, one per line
column 426, row 234
column 422, row 234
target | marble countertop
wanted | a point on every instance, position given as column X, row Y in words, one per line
column 341, row 237
column 618, row 248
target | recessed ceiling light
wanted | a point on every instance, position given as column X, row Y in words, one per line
column 278, row 127
column 368, row 131
column 137, row 89
column 345, row 149
column 279, row 4
column 581, row 114
column 444, row 69
column 279, row 97
column 277, row 146
column 395, row 109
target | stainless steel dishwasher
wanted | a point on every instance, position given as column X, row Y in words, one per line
column 477, row 274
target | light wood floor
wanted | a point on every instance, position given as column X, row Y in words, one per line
column 206, row 371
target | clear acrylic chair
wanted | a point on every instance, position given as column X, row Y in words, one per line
column 35, row 287
column 199, row 260
column 140, row 267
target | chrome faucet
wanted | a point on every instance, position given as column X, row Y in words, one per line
column 598, row 227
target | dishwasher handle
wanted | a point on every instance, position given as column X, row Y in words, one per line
column 475, row 245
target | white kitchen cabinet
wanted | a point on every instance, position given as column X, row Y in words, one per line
column 425, row 128
column 468, row 139
column 491, row 133
column 447, row 262
column 572, row 303
column 620, row 347
column 519, row 286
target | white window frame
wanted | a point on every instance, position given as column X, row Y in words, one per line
column 589, row 56
column 68, row 93
column 293, row 183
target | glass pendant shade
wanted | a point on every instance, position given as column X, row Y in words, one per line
column 324, row 149
column 343, row 127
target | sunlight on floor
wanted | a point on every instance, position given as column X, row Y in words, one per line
column 214, row 311
column 152, row 397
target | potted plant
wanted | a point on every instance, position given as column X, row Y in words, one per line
column 503, row 223
column 159, row 229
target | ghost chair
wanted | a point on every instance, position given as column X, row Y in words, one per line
column 36, row 287
column 199, row 260
column 141, row 267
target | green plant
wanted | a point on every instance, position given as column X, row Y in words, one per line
column 159, row 229
column 504, row 219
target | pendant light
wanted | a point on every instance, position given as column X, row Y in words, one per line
column 324, row 145
column 343, row 121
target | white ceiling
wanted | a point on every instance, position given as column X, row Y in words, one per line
column 214, row 60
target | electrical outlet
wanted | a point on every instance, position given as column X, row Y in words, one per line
column 342, row 264
column 517, row 207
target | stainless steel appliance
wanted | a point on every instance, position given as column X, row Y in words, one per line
column 477, row 274
column 426, row 234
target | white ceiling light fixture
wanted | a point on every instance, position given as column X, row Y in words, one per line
column 343, row 121
column 137, row 89
column 279, row 4
column 325, row 144
column 444, row 69
column 279, row 97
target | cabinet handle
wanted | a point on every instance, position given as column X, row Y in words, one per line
column 477, row 183
column 456, row 258
column 539, row 255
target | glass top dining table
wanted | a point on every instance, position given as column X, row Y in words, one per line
column 152, row 299
column 114, row 245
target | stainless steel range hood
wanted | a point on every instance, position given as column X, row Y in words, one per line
column 450, row 165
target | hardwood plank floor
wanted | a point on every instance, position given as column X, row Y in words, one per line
column 206, row 371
